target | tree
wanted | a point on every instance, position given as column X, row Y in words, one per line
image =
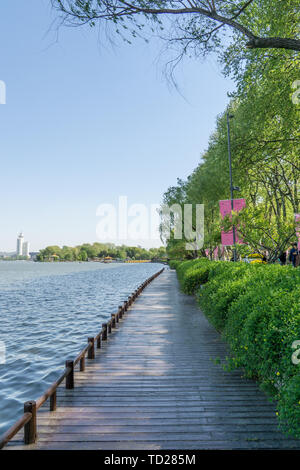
column 270, row 237
column 265, row 160
column 50, row 251
column 82, row 255
column 99, row 250
column 196, row 24
column 121, row 254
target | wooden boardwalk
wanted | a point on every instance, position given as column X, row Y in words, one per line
column 154, row 385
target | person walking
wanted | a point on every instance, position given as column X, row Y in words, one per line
column 293, row 254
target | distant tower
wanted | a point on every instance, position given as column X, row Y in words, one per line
column 26, row 249
column 20, row 241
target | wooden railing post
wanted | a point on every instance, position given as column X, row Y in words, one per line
column 91, row 351
column 99, row 342
column 120, row 311
column 70, row 376
column 53, row 401
column 30, row 427
column 82, row 363
column 113, row 320
column 109, row 327
column 104, row 334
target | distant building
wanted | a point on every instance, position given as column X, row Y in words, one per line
column 22, row 247
column 20, row 242
column 6, row 254
column 26, row 249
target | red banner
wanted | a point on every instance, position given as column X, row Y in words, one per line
column 225, row 206
column 225, row 209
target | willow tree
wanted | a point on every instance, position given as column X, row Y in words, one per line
column 196, row 24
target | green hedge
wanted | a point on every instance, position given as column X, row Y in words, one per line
column 174, row 263
column 192, row 274
column 257, row 309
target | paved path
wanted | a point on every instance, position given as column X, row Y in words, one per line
column 154, row 386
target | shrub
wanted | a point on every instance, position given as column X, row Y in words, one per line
column 261, row 327
column 220, row 291
column 257, row 309
column 192, row 274
column 289, row 407
column 174, row 263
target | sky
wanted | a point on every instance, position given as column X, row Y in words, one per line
column 86, row 122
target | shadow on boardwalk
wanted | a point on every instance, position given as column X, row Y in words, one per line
column 154, row 386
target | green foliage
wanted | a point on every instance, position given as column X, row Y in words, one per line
column 265, row 141
column 289, row 406
column 257, row 309
column 174, row 263
column 265, row 161
column 221, row 290
column 99, row 250
column 192, row 274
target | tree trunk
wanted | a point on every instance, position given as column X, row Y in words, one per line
column 274, row 43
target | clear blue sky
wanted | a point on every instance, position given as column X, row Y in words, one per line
column 85, row 123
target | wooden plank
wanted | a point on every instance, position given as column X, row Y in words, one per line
column 157, row 437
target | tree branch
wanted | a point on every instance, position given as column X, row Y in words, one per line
column 112, row 10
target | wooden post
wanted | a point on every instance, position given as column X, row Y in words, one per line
column 104, row 333
column 109, row 327
column 120, row 311
column 91, row 351
column 30, row 427
column 70, row 376
column 82, row 363
column 99, row 342
column 113, row 320
column 53, row 401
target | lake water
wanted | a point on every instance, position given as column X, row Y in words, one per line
column 47, row 311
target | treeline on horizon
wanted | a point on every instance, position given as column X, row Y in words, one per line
column 265, row 144
column 99, row 250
